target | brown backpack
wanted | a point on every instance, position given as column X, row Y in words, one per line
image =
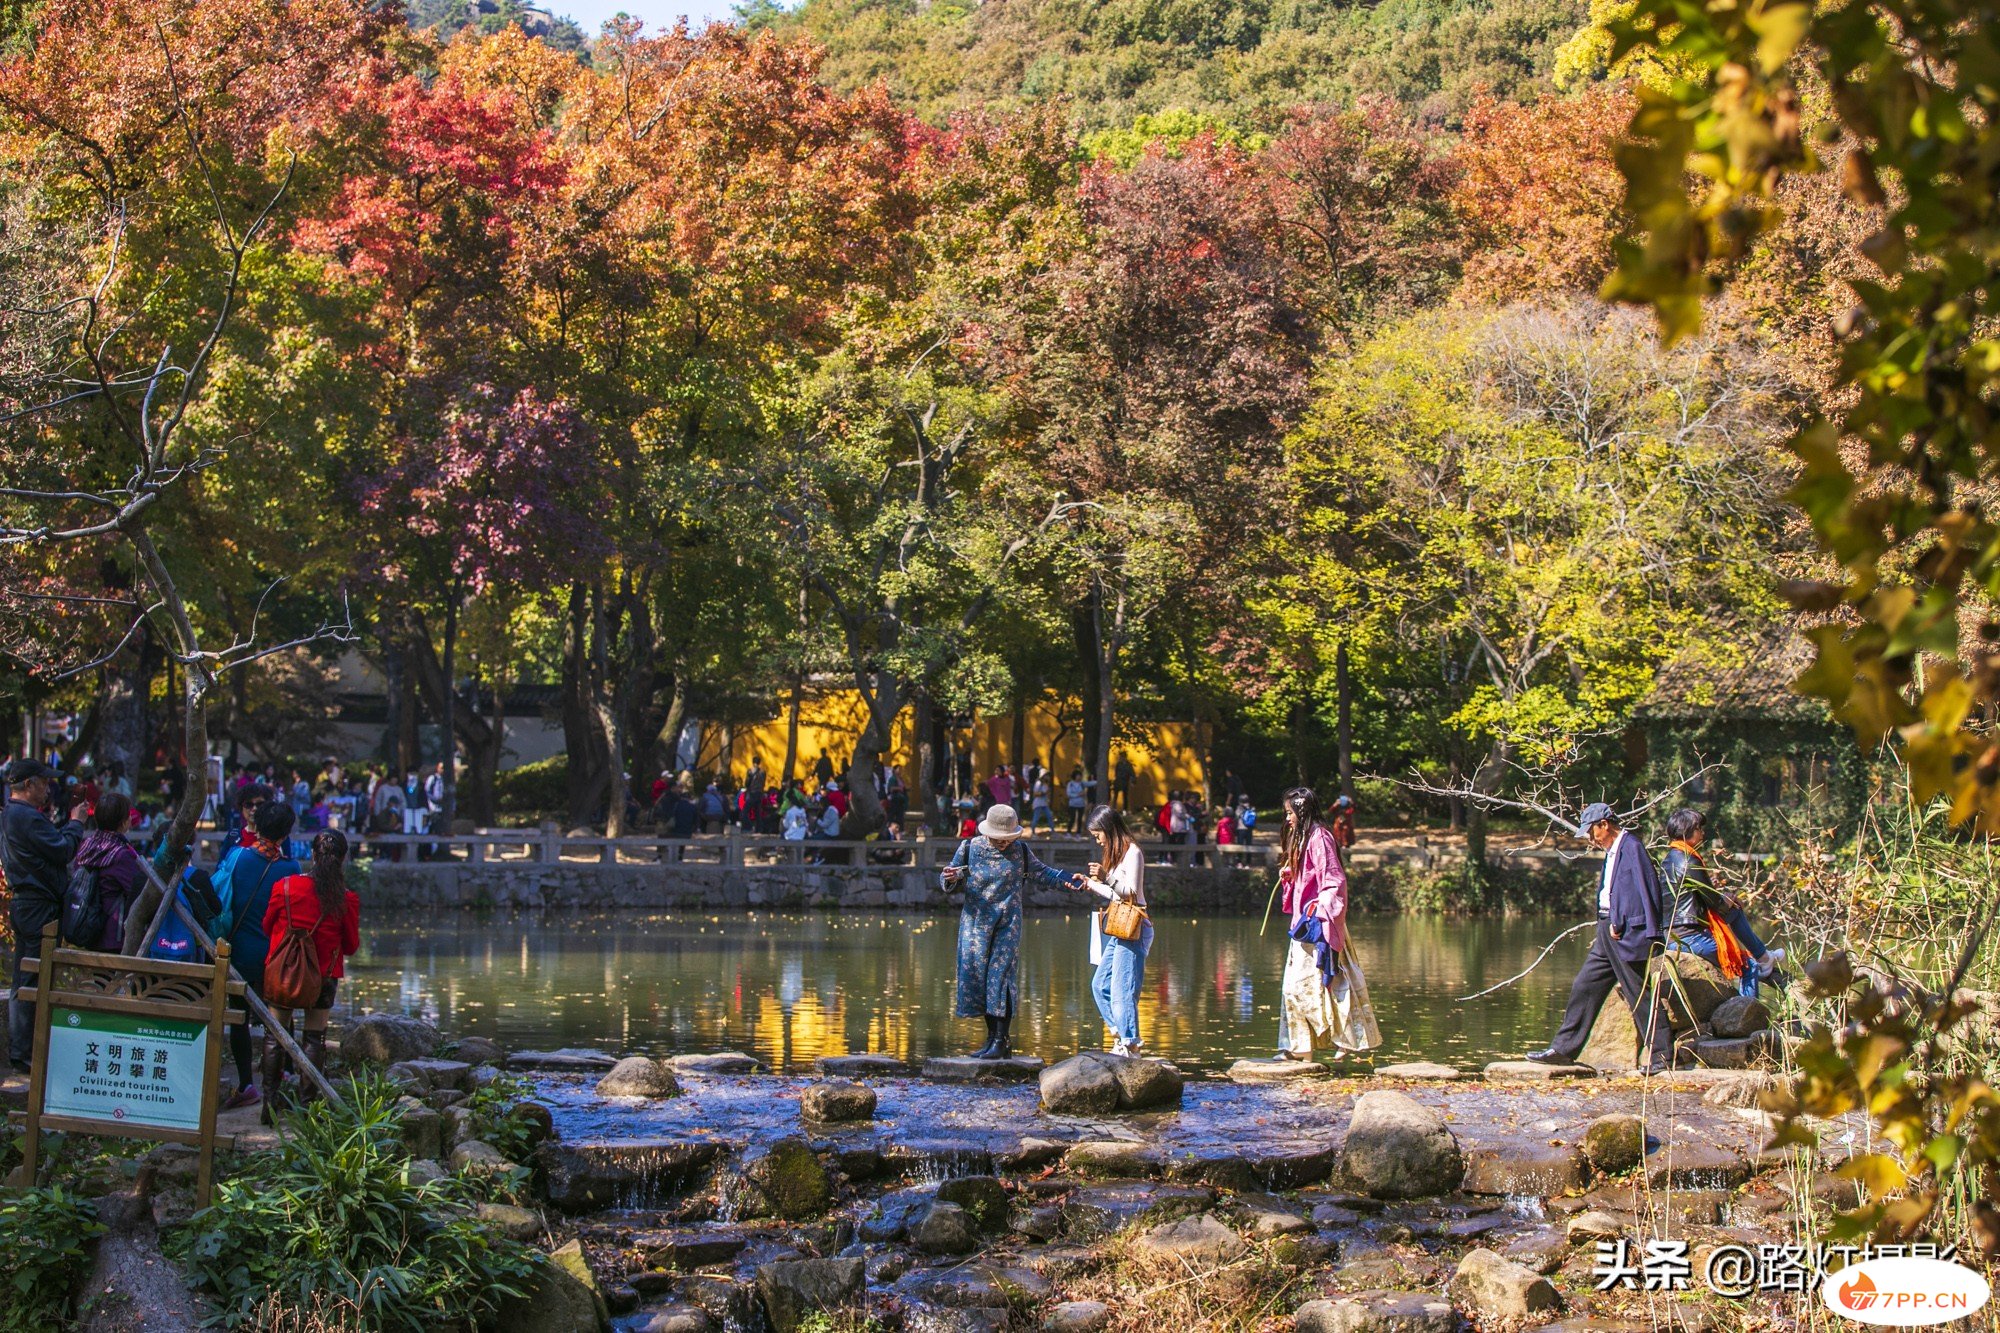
column 292, row 977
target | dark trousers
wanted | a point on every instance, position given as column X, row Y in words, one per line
column 20, row 1013
column 1602, row 969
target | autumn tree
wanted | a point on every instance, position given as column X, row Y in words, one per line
column 1166, row 356
column 169, row 139
column 1552, row 502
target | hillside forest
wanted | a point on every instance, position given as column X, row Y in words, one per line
column 1239, row 364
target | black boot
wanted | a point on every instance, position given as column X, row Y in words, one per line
column 315, row 1046
column 272, row 1074
column 992, row 1039
column 1000, row 1049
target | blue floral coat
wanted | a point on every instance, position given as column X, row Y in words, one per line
column 989, row 927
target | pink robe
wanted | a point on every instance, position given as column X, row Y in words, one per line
column 1320, row 888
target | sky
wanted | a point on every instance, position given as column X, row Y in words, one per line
column 590, row 14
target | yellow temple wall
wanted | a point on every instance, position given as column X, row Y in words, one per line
column 1164, row 755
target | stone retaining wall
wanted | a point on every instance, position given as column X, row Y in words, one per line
column 541, row 887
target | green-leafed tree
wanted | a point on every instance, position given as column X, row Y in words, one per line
column 1545, row 499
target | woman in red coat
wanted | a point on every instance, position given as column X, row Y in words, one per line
column 322, row 902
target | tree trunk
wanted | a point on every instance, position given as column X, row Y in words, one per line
column 449, row 712
column 670, row 730
column 1110, row 639
column 582, row 740
column 1344, row 723
column 923, row 732
column 87, row 733
column 610, row 706
column 1089, row 652
column 126, row 705
column 884, row 696
column 798, row 692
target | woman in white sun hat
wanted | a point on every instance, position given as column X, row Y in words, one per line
column 993, row 868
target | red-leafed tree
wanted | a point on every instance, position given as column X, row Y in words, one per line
column 503, row 496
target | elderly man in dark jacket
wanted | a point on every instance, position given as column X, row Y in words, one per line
column 36, row 856
column 1631, row 927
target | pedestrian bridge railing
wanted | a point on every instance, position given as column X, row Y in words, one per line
column 549, row 846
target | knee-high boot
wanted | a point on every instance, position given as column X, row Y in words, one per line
column 992, row 1036
column 315, row 1044
column 271, row 1074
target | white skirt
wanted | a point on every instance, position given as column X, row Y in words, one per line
column 1319, row 1016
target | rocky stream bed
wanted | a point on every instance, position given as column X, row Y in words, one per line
column 701, row 1193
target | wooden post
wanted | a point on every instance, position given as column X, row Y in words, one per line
column 218, row 1002
column 38, row 1077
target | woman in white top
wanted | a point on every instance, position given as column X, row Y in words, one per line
column 1119, row 873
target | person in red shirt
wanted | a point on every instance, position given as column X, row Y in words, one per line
column 322, row 901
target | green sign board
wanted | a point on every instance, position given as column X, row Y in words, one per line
column 126, row 1069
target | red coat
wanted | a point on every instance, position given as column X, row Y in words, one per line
column 292, row 902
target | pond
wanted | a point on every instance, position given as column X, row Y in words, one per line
column 790, row 988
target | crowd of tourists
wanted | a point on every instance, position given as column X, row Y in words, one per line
column 69, row 857
column 277, row 899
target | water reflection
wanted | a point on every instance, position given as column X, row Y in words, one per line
column 790, row 988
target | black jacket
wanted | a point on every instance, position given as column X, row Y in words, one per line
column 36, row 856
column 1693, row 892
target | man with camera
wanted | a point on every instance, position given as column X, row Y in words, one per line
column 37, row 841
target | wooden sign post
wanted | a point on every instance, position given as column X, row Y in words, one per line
column 127, row 1047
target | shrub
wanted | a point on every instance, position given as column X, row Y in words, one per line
column 491, row 1110
column 540, row 788
column 333, row 1231
column 42, row 1256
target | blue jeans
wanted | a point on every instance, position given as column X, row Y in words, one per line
column 1702, row 945
column 1116, row 984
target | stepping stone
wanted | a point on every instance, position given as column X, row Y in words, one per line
column 570, row 1059
column 1378, row 1312
column 1420, row 1069
column 1529, row 1071
column 965, row 1069
column 1276, row 1071
column 719, row 1062
column 1523, row 1166
column 861, row 1066
column 1696, row 1165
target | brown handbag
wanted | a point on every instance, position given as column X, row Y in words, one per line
column 292, row 977
column 1124, row 920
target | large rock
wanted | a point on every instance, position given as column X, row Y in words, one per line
column 982, row 1197
column 1146, row 1085
column 792, row 1180
column 639, row 1076
column 569, row 1258
column 513, row 1223
column 944, row 1228
column 386, row 1039
column 1115, row 1157
column 568, row 1060
column 1492, row 1290
column 1202, row 1242
column 716, row 1062
column 557, row 1301
column 1739, row 1016
column 1615, row 1143
column 1077, row 1317
column 1377, row 1312
column 1398, row 1148
column 837, row 1101
column 1523, row 1166
column 1100, row 1210
column 1534, row 1071
column 1760, row 1048
column 860, row 1066
column 793, row 1288
column 1079, row 1086
column 1702, row 987
column 965, row 1069
column 590, row 1177
column 479, row 1051
column 1277, row 1071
